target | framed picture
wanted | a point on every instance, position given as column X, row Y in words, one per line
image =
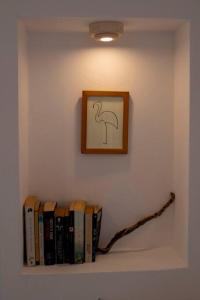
column 104, row 122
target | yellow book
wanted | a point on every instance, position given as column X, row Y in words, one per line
column 88, row 233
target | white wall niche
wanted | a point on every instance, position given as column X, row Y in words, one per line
column 57, row 60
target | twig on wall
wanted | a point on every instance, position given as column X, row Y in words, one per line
column 132, row 228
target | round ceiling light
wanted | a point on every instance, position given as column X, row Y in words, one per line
column 106, row 31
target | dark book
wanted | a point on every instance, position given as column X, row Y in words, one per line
column 59, row 235
column 24, row 236
column 97, row 216
column 66, row 236
column 49, row 233
column 71, row 233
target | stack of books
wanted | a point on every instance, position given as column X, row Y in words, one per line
column 58, row 235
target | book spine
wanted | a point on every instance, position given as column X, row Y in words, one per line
column 79, row 237
column 41, row 237
column 94, row 236
column 99, row 218
column 49, row 238
column 71, row 237
column 66, row 239
column 59, row 237
column 37, row 250
column 88, row 238
column 96, row 232
column 30, row 236
column 24, row 237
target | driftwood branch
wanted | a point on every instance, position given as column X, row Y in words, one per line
column 132, row 228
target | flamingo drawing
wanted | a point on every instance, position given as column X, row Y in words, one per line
column 107, row 117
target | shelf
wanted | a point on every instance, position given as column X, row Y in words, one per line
column 49, row 114
column 144, row 260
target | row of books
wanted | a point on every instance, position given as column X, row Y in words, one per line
column 56, row 235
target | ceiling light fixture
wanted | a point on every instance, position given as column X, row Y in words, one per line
column 106, row 31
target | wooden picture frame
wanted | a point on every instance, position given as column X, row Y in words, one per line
column 104, row 122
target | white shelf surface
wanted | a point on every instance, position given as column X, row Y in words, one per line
column 126, row 261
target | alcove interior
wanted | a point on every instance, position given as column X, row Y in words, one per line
column 57, row 60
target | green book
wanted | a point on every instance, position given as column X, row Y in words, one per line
column 77, row 220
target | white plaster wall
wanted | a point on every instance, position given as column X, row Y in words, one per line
column 171, row 284
column 23, row 102
column 181, row 137
column 61, row 65
column 23, row 94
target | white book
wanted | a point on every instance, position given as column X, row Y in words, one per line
column 30, row 230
